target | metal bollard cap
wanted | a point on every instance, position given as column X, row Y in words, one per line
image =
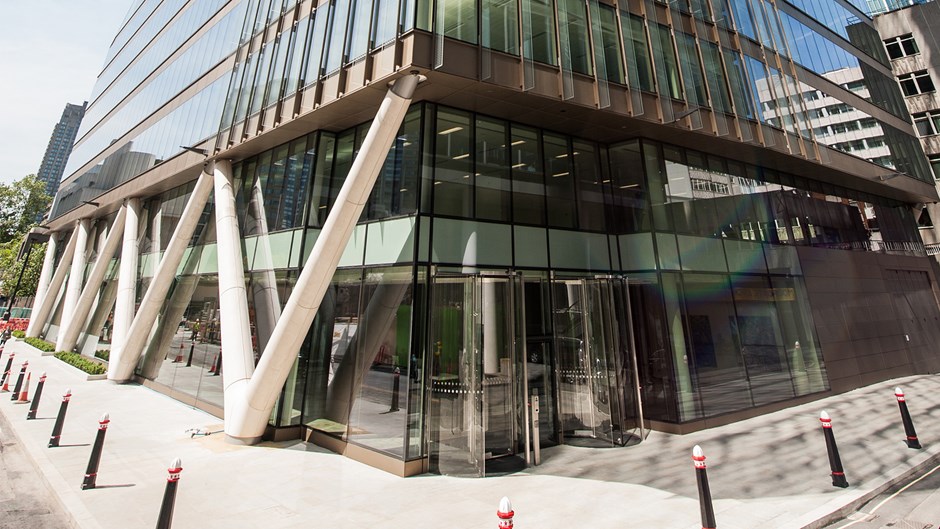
column 104, row 418
column 823, row 416
column 505, row 508
column 898, row 392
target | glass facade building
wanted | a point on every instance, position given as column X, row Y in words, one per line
column 646, row 214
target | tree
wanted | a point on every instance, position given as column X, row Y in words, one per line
column 10, row 269
column 21, row 204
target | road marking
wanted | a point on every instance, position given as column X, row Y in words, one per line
column 889, row 498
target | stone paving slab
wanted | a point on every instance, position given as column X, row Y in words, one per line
column 769, row 471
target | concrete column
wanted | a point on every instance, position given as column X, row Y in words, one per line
column 160, row 284
column 41, row 315
column 267, row 302
column 45, row 276
column 238, row 362
column 73, row 288
column 247, row 421
column 127, row 279
column 69, row 336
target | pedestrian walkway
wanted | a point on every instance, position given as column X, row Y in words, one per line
column 767, row 472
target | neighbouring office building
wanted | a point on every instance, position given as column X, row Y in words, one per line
column 646, row 214
column 908, row 31
column 60, row 146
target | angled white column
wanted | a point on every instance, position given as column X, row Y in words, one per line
column 127, row 280
column 45, row 276
column 140, row 328
column 73, row 288
column 67, row 339
column 237, row 356
column 247, row 420
column 41, row 315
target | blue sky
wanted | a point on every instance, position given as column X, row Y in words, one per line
column 51, row 52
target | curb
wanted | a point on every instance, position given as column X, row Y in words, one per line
column 73, row 510
column 824, row 518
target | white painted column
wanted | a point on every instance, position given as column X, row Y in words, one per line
column 68, row 336
column 247, row 421
column 155, row 296
column 73, row 288
column 45, row 276
column 41, row 315
column 127, row 280
column 238, row 361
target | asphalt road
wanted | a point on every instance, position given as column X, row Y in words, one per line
column 24, row 499
column 911, row 505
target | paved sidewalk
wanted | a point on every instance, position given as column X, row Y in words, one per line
column 766, row 472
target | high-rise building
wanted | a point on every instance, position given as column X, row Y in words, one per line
column 60, row 146
column 909, row 37
column 387, row 226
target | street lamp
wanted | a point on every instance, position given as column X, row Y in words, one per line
column 33, row 237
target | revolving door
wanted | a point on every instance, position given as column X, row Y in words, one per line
column 476, row 417
column 595, row 362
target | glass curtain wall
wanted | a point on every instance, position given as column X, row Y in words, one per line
column 704, row 245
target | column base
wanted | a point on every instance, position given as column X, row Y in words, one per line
column 243, row 441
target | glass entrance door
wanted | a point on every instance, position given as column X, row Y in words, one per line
column 595, row 361
column 476, row 386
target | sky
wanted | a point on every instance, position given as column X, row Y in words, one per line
column 51, row 52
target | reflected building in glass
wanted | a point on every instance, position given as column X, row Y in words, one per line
column 640, row 213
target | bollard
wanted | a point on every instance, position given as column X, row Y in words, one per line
column 217, row 365
column 396, row 387
column 19, row 381
column 6, row 373
column 34, row 407
column 169, row 495
column 505, row 513
column 189, row 361
column 60, row 419
column 212, row 367
column 909, row 432
column 91, row 473
column 24, row 392
column 835, row 463
column 179, row 355
column 704, row 493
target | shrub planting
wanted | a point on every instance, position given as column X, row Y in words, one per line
column 77, row 360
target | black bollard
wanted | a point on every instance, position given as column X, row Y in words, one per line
column 189, row 361
column 165, row 519
column 60, row 419
column 909, row 432
column 396, row 387
column 19, row 381
column 835, row 463
column 704, row 493
column 34, row 406
column 91, row 473
column 6, row 370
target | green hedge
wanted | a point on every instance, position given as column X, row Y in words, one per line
column 86, row 365
column 40, row 344
column 19, row 334
column 103, row 354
